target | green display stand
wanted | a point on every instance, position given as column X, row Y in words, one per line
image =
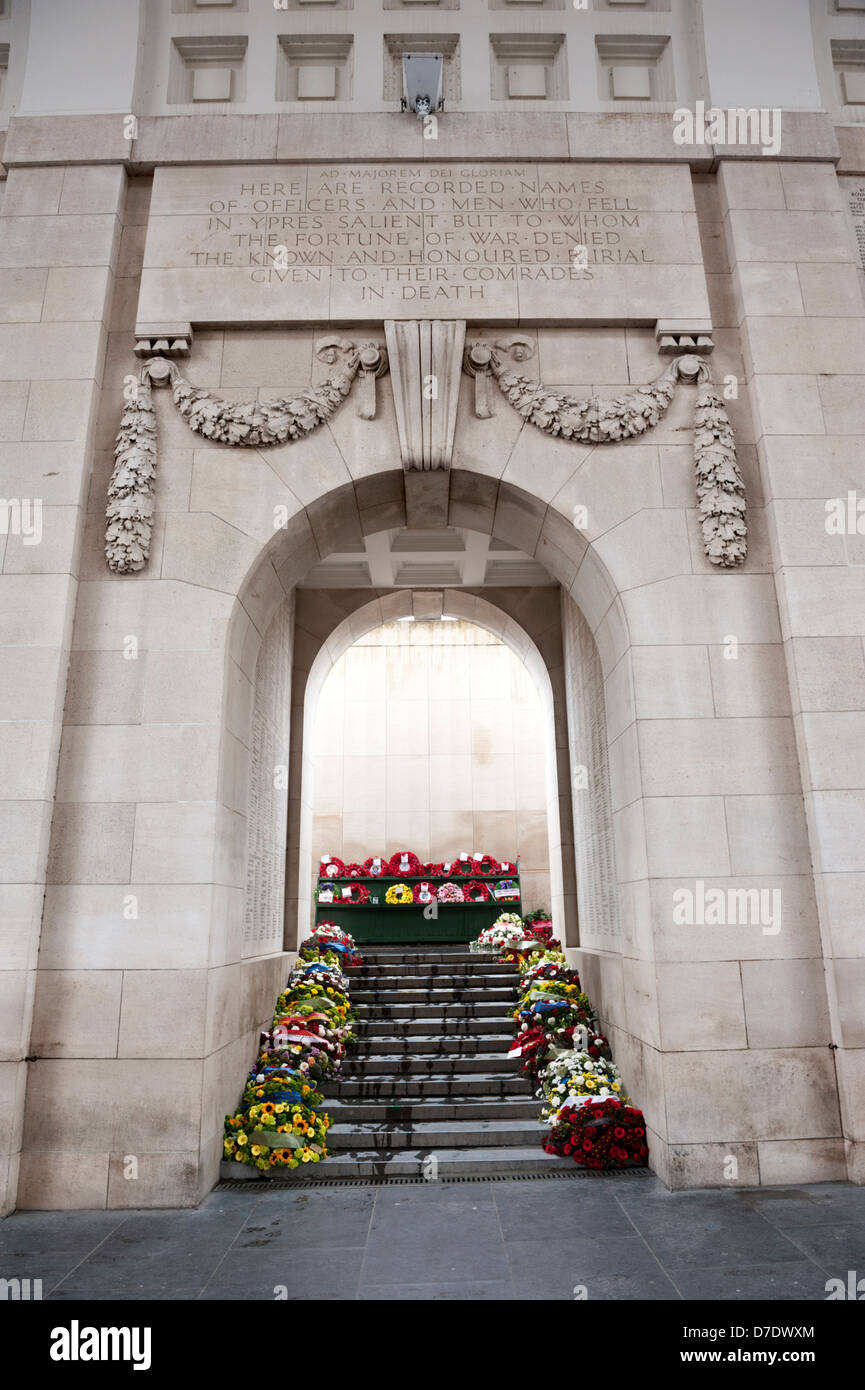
column 389, row 923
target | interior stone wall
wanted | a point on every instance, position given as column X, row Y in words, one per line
column 431, row 737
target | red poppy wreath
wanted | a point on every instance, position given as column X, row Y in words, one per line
column 404, row 864
column 355, row 893
column 375, row 867
column 476, row 892
column 331, row 867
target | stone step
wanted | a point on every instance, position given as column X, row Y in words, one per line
column 411, row 1163
column 435, row 1064
column 423, row 972
column 423, row 1046
column 360, row 1114
column 482, row 1083
column 380, row 998
column 438, row 1015
column 450, row 1026
column 438, row 1134
column 383, row 960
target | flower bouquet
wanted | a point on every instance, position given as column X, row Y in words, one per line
column 506, row 931
column 575, row 1079
column 608, row 1134
column 276, row 1134
column 540, row 923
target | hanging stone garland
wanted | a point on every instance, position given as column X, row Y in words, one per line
column 129, row 512
column 719, row 482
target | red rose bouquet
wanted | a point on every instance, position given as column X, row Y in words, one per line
column 606, row 1134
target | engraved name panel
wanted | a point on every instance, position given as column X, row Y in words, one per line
column 489, row 241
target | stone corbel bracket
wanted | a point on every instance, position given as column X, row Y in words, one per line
column 425, row 367
column 679, row 335
column 163, row 339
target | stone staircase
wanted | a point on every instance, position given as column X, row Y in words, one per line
column 431, row 1075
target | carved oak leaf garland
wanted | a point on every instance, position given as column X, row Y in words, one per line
column 720, row 486
column 130, row 493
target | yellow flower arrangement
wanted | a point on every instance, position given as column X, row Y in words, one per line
column 399, row 893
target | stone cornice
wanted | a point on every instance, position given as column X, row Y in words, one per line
column 373, row 136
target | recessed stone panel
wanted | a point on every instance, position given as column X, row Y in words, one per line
column 493, row 241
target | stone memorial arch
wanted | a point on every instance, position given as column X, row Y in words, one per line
column 272, row 414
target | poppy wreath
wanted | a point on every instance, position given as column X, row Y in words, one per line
column 505, row 867
column 476, row 892
column 331, row 867
column 424, row 892
column 371, row 870
column 355, row 870
column 399, row 893
column 404, row 862
column 357, row 893
column 433, row 870
column 459, row 867
column 487, row 865
column 603, row 1135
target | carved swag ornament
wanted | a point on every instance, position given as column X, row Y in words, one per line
column 720, row 487
column 255, row 423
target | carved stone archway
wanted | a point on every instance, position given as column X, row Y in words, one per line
column 488, row 610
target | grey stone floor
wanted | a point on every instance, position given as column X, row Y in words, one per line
column 620, row 1238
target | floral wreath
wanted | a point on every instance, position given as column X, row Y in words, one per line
column 395, row 867
column 369, row 869
column 356, row 893
column 418, row 891
column 487, row 865
column 433, row 870
column 450, row 893
column 331, row 867
column 399, row 893
column 476, row 892
column 355, row 870
column 458, row 867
